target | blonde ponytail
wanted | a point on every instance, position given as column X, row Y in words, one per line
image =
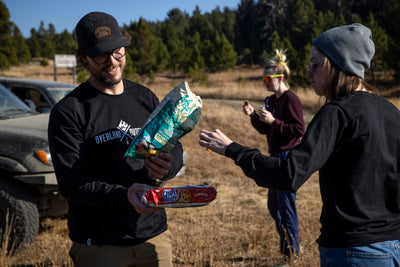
column 278, row 64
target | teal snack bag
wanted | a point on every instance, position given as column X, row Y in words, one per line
column 177, row 115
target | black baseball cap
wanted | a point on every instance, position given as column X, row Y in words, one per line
column 99, row 32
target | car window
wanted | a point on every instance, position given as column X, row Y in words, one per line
column 36, row 96
column 59, row 92
column 10, row 104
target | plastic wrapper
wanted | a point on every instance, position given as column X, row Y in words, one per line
column 180, row 197
column 177, row 115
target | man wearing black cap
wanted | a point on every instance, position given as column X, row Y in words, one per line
column 89, row 132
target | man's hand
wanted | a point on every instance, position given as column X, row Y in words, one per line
column 136, row 198
column 160, row 165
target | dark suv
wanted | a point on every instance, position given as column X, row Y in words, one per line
column 28, row 186
column 38, row 94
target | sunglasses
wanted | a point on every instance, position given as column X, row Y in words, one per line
column 268, row 78
column 117, row 53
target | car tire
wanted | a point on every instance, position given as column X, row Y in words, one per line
column 19, row 217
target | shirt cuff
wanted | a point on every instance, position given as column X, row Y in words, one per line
column 233, row 149
column 276, row 122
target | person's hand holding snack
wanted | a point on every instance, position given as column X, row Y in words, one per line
column 247, row 108
column 136, row 198
column 157, row 163
column 216, row 141
column 160, row 165
column 266, row 116
column 146, row 149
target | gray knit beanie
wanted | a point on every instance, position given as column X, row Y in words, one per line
column 350, row 47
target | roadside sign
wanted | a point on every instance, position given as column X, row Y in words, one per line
column 68, row 61
column 65, row 61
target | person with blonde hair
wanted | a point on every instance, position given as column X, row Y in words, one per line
column 281, row 120
column 354, row 143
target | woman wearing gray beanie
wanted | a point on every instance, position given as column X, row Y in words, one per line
column 354, row 143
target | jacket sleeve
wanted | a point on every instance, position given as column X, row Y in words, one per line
column 310, row 155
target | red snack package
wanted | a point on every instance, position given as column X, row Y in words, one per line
column 179, row 197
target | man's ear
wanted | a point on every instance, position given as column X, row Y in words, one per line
column 84, row 59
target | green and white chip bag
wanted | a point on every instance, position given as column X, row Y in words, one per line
column 177, row 115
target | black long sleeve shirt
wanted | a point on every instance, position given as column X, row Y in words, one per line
column 354, row 142
column 89, row 132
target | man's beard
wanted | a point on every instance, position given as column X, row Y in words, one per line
column 105, row 80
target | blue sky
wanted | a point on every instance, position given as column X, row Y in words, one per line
column 28, row 14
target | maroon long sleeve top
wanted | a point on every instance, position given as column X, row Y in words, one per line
column 288, row 127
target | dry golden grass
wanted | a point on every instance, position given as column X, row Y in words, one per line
column 235, row 229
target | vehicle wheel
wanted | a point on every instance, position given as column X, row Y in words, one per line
column 19, row 217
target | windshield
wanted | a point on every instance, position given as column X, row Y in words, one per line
column 10, row 104
column 59, row 92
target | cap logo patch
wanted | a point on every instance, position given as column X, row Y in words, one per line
column 102, row 31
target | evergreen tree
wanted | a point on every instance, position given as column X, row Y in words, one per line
column 300, row 26
column 34, row 45
column 224, row 53
column 143, row 46
column 23, row 53
column 46, row 40
column 381, row 42
column 247, row 33
column 271, row 16
column 8, row 52
column 228, row 25
column 173, row 36
column 392, row 25
column 216, row 18
column 65, row 43
column 193, row 55
column 207, row 50
column 130, row 72
column 211, row 41
column 247, row 58
column 179, row 21
column 162, row 56
column 201, row 24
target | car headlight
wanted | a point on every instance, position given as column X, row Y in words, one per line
column 44, row 156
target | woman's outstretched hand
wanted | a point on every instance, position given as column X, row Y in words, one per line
column 215, row 141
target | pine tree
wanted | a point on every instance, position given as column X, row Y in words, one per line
column 143, row 47
column 173, row 34
column 65, row 43
column 381, row 41
column 224, row 53
column 23, row 53
column 8, row 52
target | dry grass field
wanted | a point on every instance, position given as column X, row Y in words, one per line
column 235, row 229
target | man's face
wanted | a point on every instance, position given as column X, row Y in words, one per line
column 107, row 68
